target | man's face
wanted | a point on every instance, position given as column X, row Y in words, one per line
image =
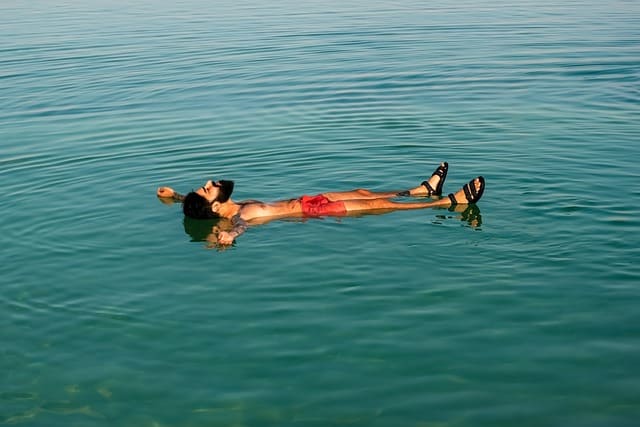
column 216, row 190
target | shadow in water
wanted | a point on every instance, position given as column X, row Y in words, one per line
column 200, row 230
column 469, row 214
column 207, row 230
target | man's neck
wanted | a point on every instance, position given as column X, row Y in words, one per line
column 229, row 209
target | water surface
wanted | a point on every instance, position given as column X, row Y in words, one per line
column 114, row 311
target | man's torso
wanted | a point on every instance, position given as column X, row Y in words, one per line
column 253, row 209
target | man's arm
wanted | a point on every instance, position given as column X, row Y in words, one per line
column 169, row 193
column 239, row 227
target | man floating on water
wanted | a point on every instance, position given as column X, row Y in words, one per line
column 213, row 200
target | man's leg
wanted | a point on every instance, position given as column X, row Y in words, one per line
column 361, row 194
column 470, row 193
column 435, row 182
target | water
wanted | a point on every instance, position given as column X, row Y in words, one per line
column 114, row 311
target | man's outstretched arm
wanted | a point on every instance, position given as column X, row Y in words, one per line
column 239, row 227
column 169, row 193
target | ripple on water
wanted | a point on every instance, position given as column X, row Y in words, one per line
column 375, row 319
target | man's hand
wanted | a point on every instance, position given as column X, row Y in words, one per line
column 226, row 237
column 166, row 192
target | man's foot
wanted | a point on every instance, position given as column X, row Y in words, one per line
column 433, row 186
column 469, row 193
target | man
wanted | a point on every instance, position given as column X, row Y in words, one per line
column 213, row 200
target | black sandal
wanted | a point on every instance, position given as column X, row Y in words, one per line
column 441, row 171
column 470, row 193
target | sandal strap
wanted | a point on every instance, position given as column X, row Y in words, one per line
column 430, row 190
column 453, row 199
column 440, row 171
column 469, row 193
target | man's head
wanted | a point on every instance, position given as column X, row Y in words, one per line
column 204, row 202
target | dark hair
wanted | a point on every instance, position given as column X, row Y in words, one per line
column 196, row 206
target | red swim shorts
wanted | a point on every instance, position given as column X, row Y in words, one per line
column 319, row 205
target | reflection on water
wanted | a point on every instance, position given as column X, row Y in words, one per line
column 469, row 214
column 200, row 230
column 207, row 230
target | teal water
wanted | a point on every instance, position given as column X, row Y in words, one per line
column 114, row 312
